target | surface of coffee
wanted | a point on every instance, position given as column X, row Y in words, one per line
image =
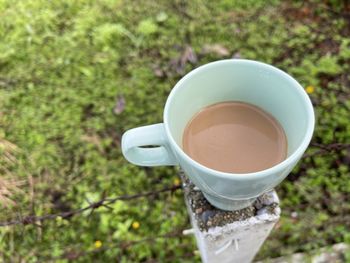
column 235, row 137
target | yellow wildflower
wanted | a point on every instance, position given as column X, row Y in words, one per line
column 98, row 244
column 177, row 181
column 310, row 89
column 135, row 225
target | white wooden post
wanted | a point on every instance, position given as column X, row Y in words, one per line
column 230, row 236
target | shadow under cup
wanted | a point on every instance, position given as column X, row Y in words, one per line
column 247, row 81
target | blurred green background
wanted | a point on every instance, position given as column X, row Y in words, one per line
column 74, row 75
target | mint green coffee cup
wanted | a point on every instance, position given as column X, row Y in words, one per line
column 227, row 80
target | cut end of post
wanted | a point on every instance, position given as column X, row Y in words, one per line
column 265, row 207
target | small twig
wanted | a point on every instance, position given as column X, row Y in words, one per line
column 32, row 219
column 326, row 148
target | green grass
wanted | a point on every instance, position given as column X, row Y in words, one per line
column 64, row 65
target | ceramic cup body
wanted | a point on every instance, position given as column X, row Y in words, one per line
column 227, row 80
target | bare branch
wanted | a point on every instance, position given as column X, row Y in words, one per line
column 32, row 219
column 327, row 148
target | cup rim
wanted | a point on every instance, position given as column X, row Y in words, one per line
column 253, row 175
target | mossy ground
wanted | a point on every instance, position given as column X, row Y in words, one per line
column 74, row 75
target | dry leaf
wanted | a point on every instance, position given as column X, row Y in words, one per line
column 8, row 188
column 216, row 49
column 119, row 105
column 188, row 56
column 236, row 55
column 179, row 64
column 158, row 71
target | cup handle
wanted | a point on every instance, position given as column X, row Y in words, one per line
column 152, row 135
